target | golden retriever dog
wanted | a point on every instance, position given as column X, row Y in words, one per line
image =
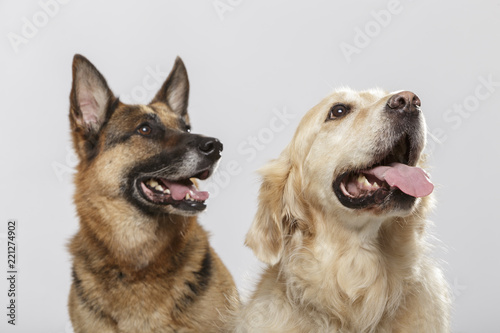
column 341, row 224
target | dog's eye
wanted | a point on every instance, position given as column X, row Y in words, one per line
column 144, row 130
column 188, row 128
column 338, row 111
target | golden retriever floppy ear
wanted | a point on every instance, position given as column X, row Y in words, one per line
column 271, row 224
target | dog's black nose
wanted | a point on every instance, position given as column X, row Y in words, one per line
column 210, row 147
column 405, row 101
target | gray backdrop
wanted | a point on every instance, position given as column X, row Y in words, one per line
column 252, row 64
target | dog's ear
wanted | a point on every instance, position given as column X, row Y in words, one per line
column 90, row 99
column 273, row 219
column 175, row 91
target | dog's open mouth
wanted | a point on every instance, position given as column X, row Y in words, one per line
column 181, row 193
column 391, row 175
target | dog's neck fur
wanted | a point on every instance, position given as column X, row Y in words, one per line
column 361, row 278
column 138, row 241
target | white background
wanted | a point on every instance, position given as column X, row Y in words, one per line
column 246, row 63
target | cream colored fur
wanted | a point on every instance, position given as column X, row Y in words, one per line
column 331, row 268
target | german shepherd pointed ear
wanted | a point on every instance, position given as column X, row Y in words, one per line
column 90, row 99
column 273, row 220
column 175, row 91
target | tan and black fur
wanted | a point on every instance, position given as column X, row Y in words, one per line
column 141, row 261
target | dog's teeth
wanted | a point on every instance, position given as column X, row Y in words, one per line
column 366, row 182
column 153, row 183
column 188, row 196
column 167, row 191
column 159, row 188
column 363, row 181
column 375, row 186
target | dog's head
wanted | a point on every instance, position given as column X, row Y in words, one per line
column 142, row 153
column 355, row 158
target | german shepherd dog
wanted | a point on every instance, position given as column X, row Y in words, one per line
column 141, row 261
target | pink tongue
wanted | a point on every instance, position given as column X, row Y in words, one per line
column 179, row 191
column 411, row 180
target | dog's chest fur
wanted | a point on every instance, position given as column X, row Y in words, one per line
column 147, row 295
column 356, row 285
